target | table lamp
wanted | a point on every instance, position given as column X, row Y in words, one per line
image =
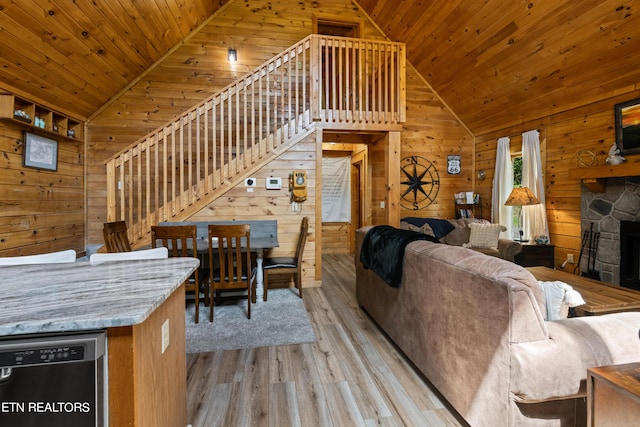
column 521, row 196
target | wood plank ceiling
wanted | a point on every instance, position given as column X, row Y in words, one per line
column 503, row 62
column 494, row 62
column 76, row 55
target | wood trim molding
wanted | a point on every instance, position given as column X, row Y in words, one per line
column 594, row 178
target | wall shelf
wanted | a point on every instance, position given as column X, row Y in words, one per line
column 469, row 210
column 595, row 178
column 39, row 119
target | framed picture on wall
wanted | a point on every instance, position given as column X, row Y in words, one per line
column 40, row 152
column 627, row 115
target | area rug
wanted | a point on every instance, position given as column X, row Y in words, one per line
column 281, row 320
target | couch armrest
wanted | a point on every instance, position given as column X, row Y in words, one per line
column 508, row 249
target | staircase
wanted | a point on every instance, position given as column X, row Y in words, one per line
column 178, row 169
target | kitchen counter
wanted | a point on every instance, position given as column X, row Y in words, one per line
column 78, row 296
column 141, row 306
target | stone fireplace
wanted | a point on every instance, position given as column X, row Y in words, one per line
column 620, row 202
column 630, row 254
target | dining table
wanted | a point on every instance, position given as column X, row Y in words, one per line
column 264, row 235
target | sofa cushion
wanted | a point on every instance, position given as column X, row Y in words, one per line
column 460, row 234
column 484, row 235
column 464, row 222
column 458, row 237
column 489, row 268
column 488, row 251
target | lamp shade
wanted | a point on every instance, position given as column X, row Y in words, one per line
column 521, row 196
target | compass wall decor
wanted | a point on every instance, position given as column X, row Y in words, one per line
column 420, row 182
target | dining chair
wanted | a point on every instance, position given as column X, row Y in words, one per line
column 46, row 258
column 158, row 253
column 287, row 265
column 230, row 262
column 116, row 238
column 181, row 241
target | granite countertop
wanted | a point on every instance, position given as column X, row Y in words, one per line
column 78, row 296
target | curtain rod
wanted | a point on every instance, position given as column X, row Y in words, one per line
column 517, row 134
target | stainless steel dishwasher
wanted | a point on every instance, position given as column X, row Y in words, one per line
column 54, row 380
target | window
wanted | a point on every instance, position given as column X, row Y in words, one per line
column 517, row 182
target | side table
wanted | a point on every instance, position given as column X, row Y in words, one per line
column 613, row 395
column 534, row 254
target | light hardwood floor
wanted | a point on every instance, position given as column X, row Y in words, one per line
column 352, row 376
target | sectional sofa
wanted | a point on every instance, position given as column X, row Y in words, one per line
column 475, row 326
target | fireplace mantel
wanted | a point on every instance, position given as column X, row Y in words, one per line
column 595, row 178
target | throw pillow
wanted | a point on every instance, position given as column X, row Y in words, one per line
column 424, row 229
column 434, row 227
column 558, row 297
column 440, row 227
column 484, row 235
column 458, row 237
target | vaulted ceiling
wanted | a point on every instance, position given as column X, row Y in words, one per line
column 493, row 62
column 76, row 55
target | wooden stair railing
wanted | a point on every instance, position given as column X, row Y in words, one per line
column 181, row 167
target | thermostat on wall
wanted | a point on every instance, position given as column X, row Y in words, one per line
column 274, row 183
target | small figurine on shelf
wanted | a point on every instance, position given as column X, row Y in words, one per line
column 22, row 115
column 541, row 239
column 71, row 133
column 614, row 155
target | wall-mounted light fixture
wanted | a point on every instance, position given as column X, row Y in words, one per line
column 232, row 55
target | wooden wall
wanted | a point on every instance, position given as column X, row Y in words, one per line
column 40, row 211
column 432, row 131
column 239, row 204
column 562, row 135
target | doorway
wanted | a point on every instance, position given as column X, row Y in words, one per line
column 339, row 237
column 335, row 26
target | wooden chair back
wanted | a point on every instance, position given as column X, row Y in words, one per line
column 302, row 240
column 230, row 260
column 287, row 265
column 116, row 238
column 181, row 241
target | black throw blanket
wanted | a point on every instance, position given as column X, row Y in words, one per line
column 383, row 251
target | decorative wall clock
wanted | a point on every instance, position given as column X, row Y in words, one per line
column 420, row 182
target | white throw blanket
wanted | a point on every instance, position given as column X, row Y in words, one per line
column 558, row 298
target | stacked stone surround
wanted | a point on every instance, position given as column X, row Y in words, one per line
column 620, row 202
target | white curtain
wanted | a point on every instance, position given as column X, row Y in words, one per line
column 502, row 186
column 336, row 189
column 534, row 218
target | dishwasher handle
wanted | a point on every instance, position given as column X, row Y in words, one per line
column 5, row 374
